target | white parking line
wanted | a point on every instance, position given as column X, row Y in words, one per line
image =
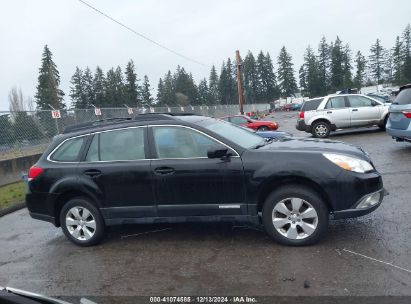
column 375, row 260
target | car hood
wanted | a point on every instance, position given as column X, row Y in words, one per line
column 315, row 145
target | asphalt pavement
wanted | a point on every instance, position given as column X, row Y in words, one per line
column 366, row 256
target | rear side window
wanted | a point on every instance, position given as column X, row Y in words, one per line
column 238, row 120
column 69, row 151
column 127, row 144
column 336, row 103
column 311, row 105
column 404, row 97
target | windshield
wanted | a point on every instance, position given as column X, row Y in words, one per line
column 237, row 135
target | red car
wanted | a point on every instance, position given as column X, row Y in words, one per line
column 246, row 121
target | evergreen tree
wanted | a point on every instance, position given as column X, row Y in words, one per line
column 168, row 96
column 231, row 89
column 337, row 71
column 310, row 72
column 214, row 97
column 25, row 128
column 99, row 83
column 250, row 79
column 360, row 64
column 302, row 78
column 223, row 85
column 203, row 92
column 286, row 79
column 184, row 87
column 89, row 96
column 147, row 100
column 111, row 96
column 397, row 61
column 48, row 91
column 323, row 66
column 120, row 88
column 347, row 67
column 160, row 91
column 132, row 88
column 77, row 93
column 267, row 77
column 406, row 50
column 376, row 61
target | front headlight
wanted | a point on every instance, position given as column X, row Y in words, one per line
column 349, row 163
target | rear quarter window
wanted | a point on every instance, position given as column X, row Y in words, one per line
column 311, row 105
column 404, row 97
column 69, row 151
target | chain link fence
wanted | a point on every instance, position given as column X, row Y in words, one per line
column 30, row 132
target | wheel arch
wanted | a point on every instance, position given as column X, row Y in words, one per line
column 64, row 197
column 276, row 183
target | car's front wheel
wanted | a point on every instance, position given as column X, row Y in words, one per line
column 81, row 222
column 321, row 129
column 295, row 215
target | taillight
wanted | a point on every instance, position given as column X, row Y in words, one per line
column 301, row 114
column 407, row 114
column 34, row 172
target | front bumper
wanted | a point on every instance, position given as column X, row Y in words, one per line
column 356, row 212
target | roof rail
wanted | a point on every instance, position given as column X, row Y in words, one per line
column 96, row 123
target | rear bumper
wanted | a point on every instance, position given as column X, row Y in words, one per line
column 41, row 206
column 302, row 126
column 400, row 135
column 356, row 212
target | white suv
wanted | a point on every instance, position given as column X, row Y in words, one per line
column 320, row 116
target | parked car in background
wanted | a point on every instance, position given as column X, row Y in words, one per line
column 245, row 121
column 399, row 121
column 320, row 116
column 287, row 107
column 296, row 106
column 382, row 98
column 160, row 168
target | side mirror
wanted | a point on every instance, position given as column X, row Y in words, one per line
column 219, row 152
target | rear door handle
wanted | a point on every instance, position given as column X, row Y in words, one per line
column 92, row 173
column 329, row 112
column 355, row 110
column 164, row 170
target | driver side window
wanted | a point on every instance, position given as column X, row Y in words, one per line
column 180, row 142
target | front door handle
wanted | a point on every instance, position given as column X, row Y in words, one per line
column 355, row 110
column 164, row 170
column 329, row 112
column 92, row 173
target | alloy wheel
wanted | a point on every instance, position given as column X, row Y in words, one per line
column 80, row 223
column 321, row 130
column 294, row 218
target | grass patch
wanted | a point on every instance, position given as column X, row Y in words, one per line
column 12, row 194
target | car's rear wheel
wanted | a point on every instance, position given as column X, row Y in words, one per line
column 82, row 223
column 321, row 129
column 263, row 128
column 295, row 216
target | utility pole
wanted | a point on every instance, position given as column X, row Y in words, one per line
column 239, row 82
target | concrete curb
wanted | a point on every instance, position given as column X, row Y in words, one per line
column 12, row 208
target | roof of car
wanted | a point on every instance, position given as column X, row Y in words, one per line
column 141, row 119
column 406, row 86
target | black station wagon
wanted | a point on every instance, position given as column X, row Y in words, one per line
column 175, row 168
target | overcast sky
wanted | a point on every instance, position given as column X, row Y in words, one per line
column 208, row 31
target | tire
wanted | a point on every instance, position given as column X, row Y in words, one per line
column 297, row 229
column 382, row 127
column 321, row 129
column 262, row 128
column 83, row 229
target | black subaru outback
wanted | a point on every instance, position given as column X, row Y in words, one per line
column 175, row 168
